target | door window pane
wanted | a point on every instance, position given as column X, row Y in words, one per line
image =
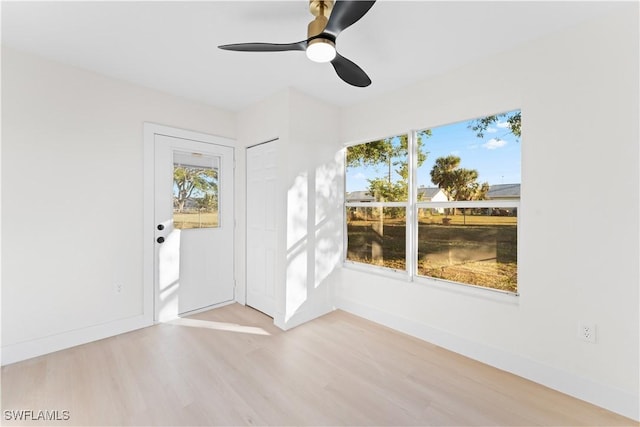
column 195, row 190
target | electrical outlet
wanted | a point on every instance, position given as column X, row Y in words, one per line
column 587, row 332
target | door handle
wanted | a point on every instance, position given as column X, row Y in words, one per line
column 160, row 239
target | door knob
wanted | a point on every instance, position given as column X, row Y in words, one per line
column 160, row 239
column 160, row 227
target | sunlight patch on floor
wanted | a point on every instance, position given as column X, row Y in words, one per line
column 219, row 326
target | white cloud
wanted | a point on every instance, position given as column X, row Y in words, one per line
column 502, row 125
column 360, row 176
column 492, row 130
column 455, row 152
column 494, row 143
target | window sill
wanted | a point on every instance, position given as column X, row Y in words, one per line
column 473, row 291
column 377, row 270
column 469, row 290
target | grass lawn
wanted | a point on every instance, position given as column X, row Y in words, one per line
column 473, row 249
column 186, row 220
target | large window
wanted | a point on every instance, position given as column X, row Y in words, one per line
column 440, row 203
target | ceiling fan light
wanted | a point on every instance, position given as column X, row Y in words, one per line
column 321, row 50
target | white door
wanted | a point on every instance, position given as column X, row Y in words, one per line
column 194, row 224
column 261, row 226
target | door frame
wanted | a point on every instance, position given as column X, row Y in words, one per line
column 150, row 130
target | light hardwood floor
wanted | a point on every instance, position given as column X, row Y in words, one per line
column 231, row 366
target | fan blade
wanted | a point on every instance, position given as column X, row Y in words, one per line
column 350, row 72
column 346, row 13
column 265, row 47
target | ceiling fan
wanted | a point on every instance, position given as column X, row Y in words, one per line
column 330, row 20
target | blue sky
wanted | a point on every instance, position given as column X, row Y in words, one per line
column 496, row 156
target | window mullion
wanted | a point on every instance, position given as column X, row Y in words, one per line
column 411, row 252
column 345, row 228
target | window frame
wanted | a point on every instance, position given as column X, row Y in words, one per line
column 412, row 205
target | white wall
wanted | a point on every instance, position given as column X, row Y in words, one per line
column 313, row 179
column 578, row 239
column 72, row 200
column 310, row 210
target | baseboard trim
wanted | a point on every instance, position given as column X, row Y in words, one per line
column 13, row 353
column 612, row 399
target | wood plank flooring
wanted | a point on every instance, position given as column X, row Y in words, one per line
column 231, row 366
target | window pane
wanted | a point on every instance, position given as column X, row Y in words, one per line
column 378, row 171
column 471, row 246
column 475, row 159
column 377, row 236
column 195, row 191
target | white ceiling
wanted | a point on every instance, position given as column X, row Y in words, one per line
column 171, row 46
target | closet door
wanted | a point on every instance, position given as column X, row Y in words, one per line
column 261, row 226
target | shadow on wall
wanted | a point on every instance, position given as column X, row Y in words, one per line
column 314, row 237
